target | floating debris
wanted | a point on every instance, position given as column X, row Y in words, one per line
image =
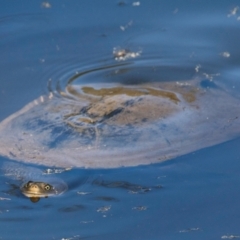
column 197, row 67
column 123, row 28
column 211, row 76
column 140, row 208
column 76, row 237
column 121, row 54
column 140, row 190
column 183, row 84
column 132, row 192
column 136, row 4
column 2, row 199
column 46, row 5
column 56, row 170
column 225, row 54
column 233, row 12
column 104, row 209
column 230, row 236
column 189, row 230
column 83, row 193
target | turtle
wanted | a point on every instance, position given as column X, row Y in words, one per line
column 112, row 125
column 35, row 183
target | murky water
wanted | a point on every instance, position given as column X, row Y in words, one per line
column 56, row 49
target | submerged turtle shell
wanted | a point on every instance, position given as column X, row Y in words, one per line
column 114, row 125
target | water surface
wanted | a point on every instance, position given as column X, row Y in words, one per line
column 192, row 196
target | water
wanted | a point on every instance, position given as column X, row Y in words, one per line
column 192, row 196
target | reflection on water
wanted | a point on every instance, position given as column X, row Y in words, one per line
column 109, row 67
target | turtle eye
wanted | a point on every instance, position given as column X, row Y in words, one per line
column 47, row 187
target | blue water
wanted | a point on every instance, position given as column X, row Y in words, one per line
column 191, row 197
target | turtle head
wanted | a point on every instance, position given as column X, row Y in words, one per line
column 33, row 189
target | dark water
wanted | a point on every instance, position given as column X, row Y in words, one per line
column 191, row 197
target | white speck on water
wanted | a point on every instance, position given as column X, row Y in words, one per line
column 56, row 170
column 121, row 54
column 225, row 54
column 50, row 96
column 104, row 209
column 2, row 199
column 132, row 192
column 72, row 238
column 136, row 4
column 233, row 12
column 211, row 76
column 46, row 5
column 123, row 28
column 83, row 193
column 189, row 230
column 197, row 68
column 183, row 84
column 230, row 236
column 140, row 208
